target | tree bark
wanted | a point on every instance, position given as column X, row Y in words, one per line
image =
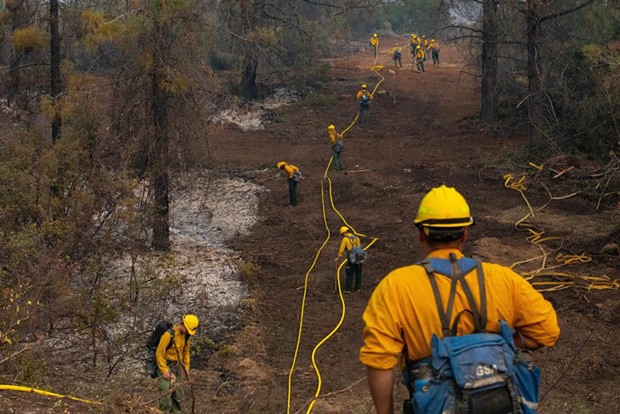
column 55, row 83
column 158, row 159
column 251, row 11
column 488, row 109
column 18, row 20
column 535, row 81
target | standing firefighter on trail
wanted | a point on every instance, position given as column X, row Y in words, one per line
column 374, row 45
column 364, row 97
column 434, row 49
column 352, row 246
column 397, row 54
column 170, row 346
column 413, row 43
column 337, row 145
column 293, row 178
column 451, row 320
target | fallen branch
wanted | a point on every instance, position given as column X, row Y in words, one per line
column 566, row 196
column 329, row 394
column 561, row 173
column 24, row 349
column 170, row 391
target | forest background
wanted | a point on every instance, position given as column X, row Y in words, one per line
column 107, row 107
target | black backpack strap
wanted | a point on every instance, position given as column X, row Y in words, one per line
column 171, row 343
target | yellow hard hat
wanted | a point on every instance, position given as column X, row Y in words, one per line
column 443, row 207
column 412, row 35
column 432, row 40
column 343, row 230
column 423, row 35
column 281, row 164
column 418, row 47
column 395, row 44
column 363, row 86
column 331, row 127
column 191, row 323
column 375, row 35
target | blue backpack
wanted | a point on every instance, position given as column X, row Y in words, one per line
column 357, row 254
column 479, row 373
column 365, row 100
column 397, row 54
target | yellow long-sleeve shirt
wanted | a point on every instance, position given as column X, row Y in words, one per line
column 290, row 170
column 347, row 244
column 419, row 54
column 180, row 348
column 402, row 311
column 334, row 137
column 361, row 93
column 396, row 48
column 374, row 41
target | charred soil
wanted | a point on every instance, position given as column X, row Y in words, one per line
column 421, row 132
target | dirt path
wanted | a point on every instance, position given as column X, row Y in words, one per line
column 422, row 132
column 417, row 138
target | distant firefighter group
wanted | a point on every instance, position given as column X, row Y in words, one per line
column 419, row 47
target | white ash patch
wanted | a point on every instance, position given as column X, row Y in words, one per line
column 200, row 274
column 251, row 117
column 203, row 219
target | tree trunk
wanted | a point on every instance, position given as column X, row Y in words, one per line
column 55, row 85
column 158, row 159
column 18, row 20
column 488, row 110
column 251, row 11
column 535, row 81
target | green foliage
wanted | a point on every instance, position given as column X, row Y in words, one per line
column 582, row 408
column 28, row 39
column 317, row 100
column 589, row 101
column 248, row 269
column 32, row 368
column 98, row 31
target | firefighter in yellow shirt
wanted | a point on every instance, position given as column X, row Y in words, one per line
column 374, row 44
column 173, row 360
column 433, row 47
column 337, row 146
column 420, row 57
column 363, row 98
column 397, row 54
column 413, row 43
column 294, row 175
column 403, row 314
column 349, row 241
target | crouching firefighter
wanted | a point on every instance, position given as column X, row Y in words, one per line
column 458, row 326
column 170, row 344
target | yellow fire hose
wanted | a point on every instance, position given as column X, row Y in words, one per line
column 375, row 69
column 537, row 237
column 46, row 393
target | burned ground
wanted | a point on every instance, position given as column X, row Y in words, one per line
column 422, row 132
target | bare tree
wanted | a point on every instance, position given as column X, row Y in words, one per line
column 537, row 142
column 488, row 106
column 55, row 83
